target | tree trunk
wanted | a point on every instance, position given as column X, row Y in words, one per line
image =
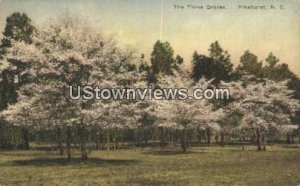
column 25, row 138
column 155, row 136
column 222, row 139
column 199, row 136
column 217, row 138
column 258, row 139
column 208, row 135
column 15, row 139
column 98, row 140
column 107, row 140
column 59, row 141
column 76, row 137
column 122, row 141
column 242, row 143
column 184, row 140
column 115, row 140
column 136, row 137
column 84, row 154
column 264, row 142
column 172, row 137
column 288, row 138
column 37, row 138
column 162, row 137
column 69, row 142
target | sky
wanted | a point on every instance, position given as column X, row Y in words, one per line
column 140, row 23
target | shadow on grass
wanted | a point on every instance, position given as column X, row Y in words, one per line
column 295, row 146
column 156, row 181
column 20, row 153
column 91, row 162
column 45, row 148
column 170, row 152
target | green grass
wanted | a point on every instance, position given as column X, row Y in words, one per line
column 280, row 165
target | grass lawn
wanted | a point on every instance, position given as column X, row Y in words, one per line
column 280, row 165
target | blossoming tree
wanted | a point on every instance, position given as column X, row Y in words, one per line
column 186, row 114
column 265, row 105
column 65, row 55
